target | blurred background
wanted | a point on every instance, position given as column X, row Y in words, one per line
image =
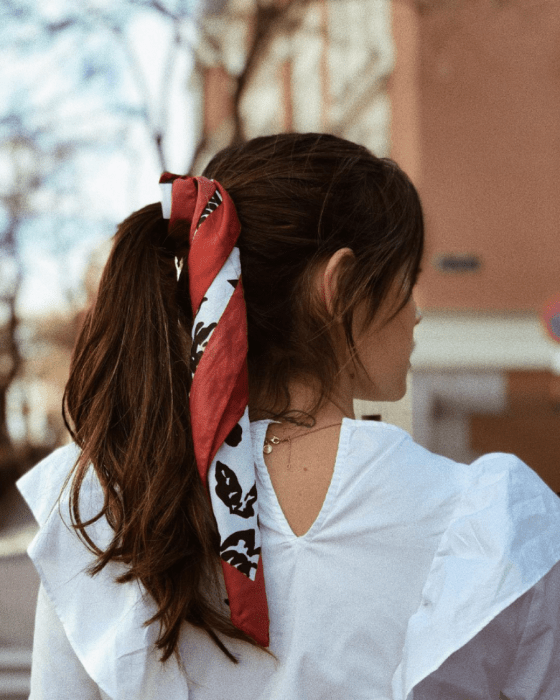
column 98, row 97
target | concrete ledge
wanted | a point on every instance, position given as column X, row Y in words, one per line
column 15, row 668
column 15, row 658
column 468, row 340
column 15, row 540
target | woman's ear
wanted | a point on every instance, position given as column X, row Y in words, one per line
column 329, row 278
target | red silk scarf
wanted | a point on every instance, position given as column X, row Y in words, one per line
column 219, row 392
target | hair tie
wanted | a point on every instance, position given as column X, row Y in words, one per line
column 219, row 392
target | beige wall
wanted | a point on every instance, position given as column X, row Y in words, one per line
column 488, row 76
column 476, row 98
column 404, row 90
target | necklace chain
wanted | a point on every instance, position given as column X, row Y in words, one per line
column 275, row 440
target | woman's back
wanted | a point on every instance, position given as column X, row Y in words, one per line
column 410, row 556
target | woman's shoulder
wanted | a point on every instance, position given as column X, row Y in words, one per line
column 495, row 503
column 375, row 441
column 386, row 454
column 502, row 539
column 500, row 536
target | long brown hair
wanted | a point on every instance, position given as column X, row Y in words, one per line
column 299, row 198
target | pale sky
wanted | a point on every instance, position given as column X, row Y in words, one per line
column 114, row 183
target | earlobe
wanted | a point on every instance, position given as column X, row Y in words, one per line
column 330, row 277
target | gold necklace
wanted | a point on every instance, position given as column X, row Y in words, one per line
column 274, row 440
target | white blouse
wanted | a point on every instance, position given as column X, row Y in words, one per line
column 421, row 579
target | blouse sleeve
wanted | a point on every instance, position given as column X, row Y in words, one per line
column 517, row 655
column 56, row 672
column 535, row 671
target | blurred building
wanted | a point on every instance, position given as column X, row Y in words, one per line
column 478, row 81
column 465, row 96
column 299, row 65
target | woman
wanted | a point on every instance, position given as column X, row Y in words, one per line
column 239, row 534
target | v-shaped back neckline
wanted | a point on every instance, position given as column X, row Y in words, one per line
column 271, row 498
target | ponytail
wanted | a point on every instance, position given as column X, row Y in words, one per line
column 126, row 406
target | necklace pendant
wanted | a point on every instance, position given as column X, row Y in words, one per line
column 268, row 442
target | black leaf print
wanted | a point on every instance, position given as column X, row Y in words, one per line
column 235, row 435
column 200, row 340
column 237, row 550
column 230, row 492
column 233, row 283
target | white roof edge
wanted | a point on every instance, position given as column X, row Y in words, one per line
column 467, row 340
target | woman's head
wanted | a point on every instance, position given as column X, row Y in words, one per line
column 301, row 198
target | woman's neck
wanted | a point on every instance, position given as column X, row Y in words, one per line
column 303, row 408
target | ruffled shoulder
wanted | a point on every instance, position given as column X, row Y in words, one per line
column 503, row 537
column 103, row 620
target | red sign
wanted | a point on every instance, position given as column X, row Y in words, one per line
column 551, row 317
